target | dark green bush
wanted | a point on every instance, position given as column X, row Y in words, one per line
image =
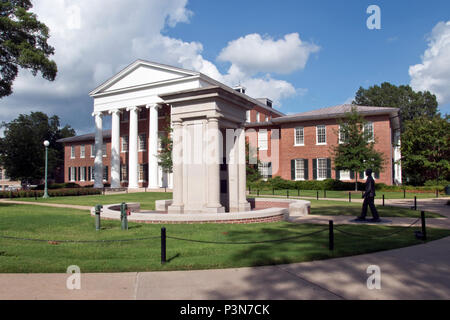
column 51, row 193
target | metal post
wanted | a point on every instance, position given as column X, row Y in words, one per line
column 46, row 144
column 383, row 200
column 415, row 202
column 35, row 196
column 123, row 216
column 317, row 195
column 98, row 209
column 349, row 197
column 325, row 194
column 257, row 192
column 287, row 193
column 404, row 193
column 163, row 245
column 437, row 193
column 273, row 191
column 298, row 192
column 424, row 228
column 331, row 235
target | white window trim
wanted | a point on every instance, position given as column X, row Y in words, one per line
column 344, row 178
column 317, row 136
column 82, row 174
column 340, row 138
column 321, row 179
column 297, row 178
column 143, row 173
column 145, row 142
column 258, row 116
column 72, row 174
column 73, row 153
column 105, row 154
column 121, row 144
column 82, row 151
column 92, row 151
column 373, row 131
column 295, row 137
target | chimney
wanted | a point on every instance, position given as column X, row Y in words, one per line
column 240, row 89
column 265, row 101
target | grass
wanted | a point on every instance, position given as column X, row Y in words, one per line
column 147, row 199
column 47, row 223
column 343, row 194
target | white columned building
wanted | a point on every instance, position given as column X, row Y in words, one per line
column 199, row 107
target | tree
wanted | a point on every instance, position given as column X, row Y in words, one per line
column 253, row 162
column 22, row 150
column 23, row 43
column 426, row 149
column 411, row 104
column 165, row 154
column 355, row 151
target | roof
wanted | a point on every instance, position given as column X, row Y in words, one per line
column 335, row 112
column 85, row 137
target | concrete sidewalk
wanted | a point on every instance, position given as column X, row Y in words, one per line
column 417, row 272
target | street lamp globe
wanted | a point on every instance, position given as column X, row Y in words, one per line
column 46, row 143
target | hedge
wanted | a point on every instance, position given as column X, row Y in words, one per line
column 51, row 193
column 278, row 183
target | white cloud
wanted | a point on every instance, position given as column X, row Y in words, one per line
column 433, row 73
column 253, row 53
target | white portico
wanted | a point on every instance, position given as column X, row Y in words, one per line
column 199, row 106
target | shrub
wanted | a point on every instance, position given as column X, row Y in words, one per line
column 51, row 193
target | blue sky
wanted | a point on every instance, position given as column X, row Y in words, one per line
column 321, row 52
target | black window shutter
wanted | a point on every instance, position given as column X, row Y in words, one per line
column 361, row 175
column 352, row 175
column 270, row 170
column 328, row 168
column 315, row 169
column 292, row 169
column 85, row 174
column 78, row 173
column 338, row 175
column 377, row 175
column 306, row 169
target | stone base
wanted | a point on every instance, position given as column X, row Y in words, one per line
column 163, row 205
column 175, row 209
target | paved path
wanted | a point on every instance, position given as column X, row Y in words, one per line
column 417, row 272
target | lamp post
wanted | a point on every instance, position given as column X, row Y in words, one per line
column 46, row 144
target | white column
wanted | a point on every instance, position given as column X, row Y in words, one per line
column 214, row 166
column 153, row 182
column 244, row 205
column 115, row 149
column 133, row 149
column 232, row 142
column 177, row 157
column 98, row 164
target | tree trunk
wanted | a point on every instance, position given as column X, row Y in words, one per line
column 356, row 182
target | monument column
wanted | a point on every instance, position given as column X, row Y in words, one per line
column 214, row 152
column 244, row 205
column 133, row 149
column 153, row 182
column 98, row 164
column 177, row 169
column 115, row 149
column 232, row 140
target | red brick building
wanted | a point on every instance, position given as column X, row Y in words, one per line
column 302, row 145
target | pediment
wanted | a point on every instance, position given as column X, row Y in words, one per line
column 142, row 73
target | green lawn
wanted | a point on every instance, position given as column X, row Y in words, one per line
column 147, row 199
column 343, row 194
column 47, row 223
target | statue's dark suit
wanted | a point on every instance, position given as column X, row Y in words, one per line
column 369, row 196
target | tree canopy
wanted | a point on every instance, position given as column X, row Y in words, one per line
column 426, row 149
column 355, row 151
column 23, row 43
column 412, row 104
column 22, row 151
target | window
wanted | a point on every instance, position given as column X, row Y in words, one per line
column 90, row 174
column 247, row 116
column 1, row 174
column 342, row 136
column 142, row 142
column 299, row 169
column 322, row 169
column 82, row 173
column 82, row 151
column 125, row 116
column 143, row 114
column 142, row 172
column 257, row 117
column 265, row 169
column 104, row 150
column 299, row 136
column 105, row 173
column 92, row 151
column 72, row 174
column 262, row 139
column 344, row 175
column 321, row 134
column 124, row 143
column 124, row 172
column 368, row 130
column 72, row 152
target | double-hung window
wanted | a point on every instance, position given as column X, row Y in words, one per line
column 299, row 169
column 321, row 134
column 322, row 169
column 263, row 140
column 124, row 143
column 142, row 142
column 72, row 152
column 368, row 130
column 299, row 136
column 83, row 151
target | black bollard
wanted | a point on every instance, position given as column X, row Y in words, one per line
column 383, row 200
column 415, row 202
column 287, row 193
column 98, row 209
column 437, row 193
column 404, row 193
column 163, row 245
column 257, row 192
column 331, row 235
column 273, row 191
column 298, row 192
column 325, row 194
column 123, row 216
column 349, row 197
column 317, row 195
column 424, row 229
